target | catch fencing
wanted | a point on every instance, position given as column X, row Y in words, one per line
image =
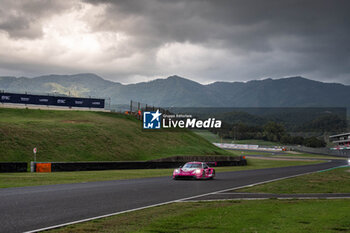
column 137, row 108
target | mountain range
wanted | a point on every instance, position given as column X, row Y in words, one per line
column 181, row 92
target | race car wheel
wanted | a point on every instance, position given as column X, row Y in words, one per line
column 212, row 175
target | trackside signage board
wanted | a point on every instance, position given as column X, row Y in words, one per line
column 51, row 100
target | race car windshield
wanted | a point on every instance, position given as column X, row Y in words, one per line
column 192, row 165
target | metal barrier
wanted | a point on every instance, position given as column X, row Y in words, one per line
column 13, row 166
column 95, row 166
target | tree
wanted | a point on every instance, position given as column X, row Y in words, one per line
column 286, row 139
column 273, row 131
column 314, row 142
column 297, row 140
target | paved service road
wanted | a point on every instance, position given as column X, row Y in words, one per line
column 31, row 208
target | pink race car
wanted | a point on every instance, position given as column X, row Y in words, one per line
column 194, row 170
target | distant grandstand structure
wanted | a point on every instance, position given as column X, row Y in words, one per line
column 341, row 142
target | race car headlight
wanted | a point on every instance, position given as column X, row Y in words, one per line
column 198, row 171
column 177, row 170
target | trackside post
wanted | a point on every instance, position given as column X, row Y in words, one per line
column 32, row 164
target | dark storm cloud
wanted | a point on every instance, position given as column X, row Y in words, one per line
column 235, row 22
column 317, row 32
column 226, row 40
column 23, row 19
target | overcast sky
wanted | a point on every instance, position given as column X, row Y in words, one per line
column 204, row 40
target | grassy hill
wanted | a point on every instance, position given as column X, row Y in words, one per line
column 90, row 136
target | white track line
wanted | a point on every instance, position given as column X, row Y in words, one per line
column 165, row 203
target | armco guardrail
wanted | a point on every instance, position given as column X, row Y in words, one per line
column 13, row 166
column 95, row 166
column 91, row 166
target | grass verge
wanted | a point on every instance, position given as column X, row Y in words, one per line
column 331, row 181
column 8, row 180
column 306, row 155
column 229, row 216
column 285, row 154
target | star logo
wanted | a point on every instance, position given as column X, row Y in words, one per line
column 156, row 115
column 152, row 120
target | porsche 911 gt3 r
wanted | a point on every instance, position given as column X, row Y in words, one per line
column 195, row 170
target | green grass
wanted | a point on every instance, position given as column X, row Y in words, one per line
column 258, row 142
column 8, row 180
column 211, row 137
column 331, row 181
column 247, row 152
column 90, row 136
column 306, row 155
column 286, row 155
column 290, row 216
column 215, row 138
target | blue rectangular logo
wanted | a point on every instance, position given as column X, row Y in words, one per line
column 152, row 120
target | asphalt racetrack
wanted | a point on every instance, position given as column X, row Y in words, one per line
column 32, row 208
